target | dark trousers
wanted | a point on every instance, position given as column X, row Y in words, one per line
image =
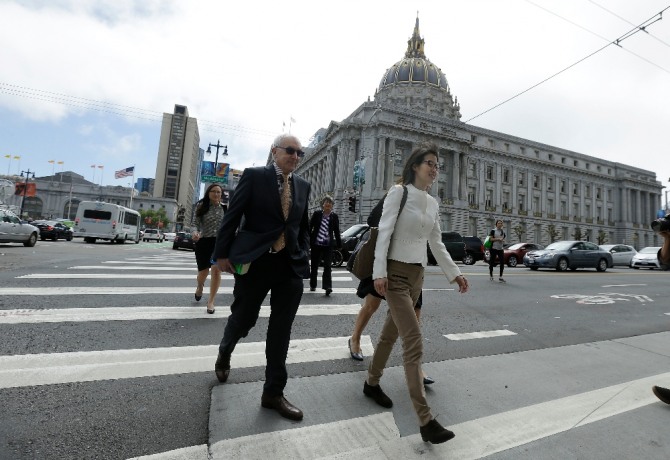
column 270, row 272
column 493, row 255
column 319, row 253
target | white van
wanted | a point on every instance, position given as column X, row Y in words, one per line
column 106, row 221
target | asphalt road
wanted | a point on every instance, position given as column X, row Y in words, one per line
column 112, row 417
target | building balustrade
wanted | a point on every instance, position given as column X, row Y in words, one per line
column 490, row 208
column 523, row 213
column 537, row 214
column 589, row 220
column 507, row 210
column 448, row 201
column 563, row 217
column 577, row 219
column 474, row 206
column 551, row 216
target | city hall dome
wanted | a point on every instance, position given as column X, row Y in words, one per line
column 416, row 83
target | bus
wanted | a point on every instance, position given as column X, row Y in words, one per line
column 97, row 220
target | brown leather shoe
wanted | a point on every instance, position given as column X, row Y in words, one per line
column 281, row 405
column 222, row 368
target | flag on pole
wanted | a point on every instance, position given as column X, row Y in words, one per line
column 92, row 166
column 124, row 172
column 100, row 166
column 51, row 161
column 293, row 120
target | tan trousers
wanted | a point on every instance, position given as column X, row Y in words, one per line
column 404, row 287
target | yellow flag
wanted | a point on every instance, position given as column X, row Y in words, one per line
column 51, row 161
column 17, row 157
column 60, row 162
column 8, row 156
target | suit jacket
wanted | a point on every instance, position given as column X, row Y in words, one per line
column 333, row 228
column 254, row 220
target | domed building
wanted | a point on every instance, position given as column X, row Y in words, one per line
column 543, row 193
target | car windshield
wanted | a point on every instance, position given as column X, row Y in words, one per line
column 649, row 250
column 351, row 231
column 559, row 246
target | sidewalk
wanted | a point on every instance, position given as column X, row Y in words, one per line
column 583, row 401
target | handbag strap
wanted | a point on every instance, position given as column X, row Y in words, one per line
column 402, row 205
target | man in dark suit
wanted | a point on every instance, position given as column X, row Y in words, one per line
column 264, row 242
column 324, row 234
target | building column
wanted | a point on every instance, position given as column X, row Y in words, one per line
column 463, row 176
column 454, row 175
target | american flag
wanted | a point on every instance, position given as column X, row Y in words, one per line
column 124, row 172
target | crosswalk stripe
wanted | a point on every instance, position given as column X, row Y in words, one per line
column 377, row 436
column 132, row 276
column 479, row 335
column 129, row 290
column 87, row 366
column 200, row 452
column 153, row 313
column 148, row 262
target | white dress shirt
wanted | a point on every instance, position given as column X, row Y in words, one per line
column 403, row 238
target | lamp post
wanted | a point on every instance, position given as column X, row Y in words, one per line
column 25, row 188
column 218, row 146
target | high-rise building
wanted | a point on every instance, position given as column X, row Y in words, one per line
column 177, row 168
column 145, row 184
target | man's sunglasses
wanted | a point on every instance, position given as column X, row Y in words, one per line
column 291, row 151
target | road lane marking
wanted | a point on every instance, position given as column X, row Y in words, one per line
column 622, row 285
column 87, row 366
column 479, row 335
column 377, row 436
column 153, row 313
column 129, row 290
column 200, row 452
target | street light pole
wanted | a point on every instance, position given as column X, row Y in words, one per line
column 25, row 188
column 218, row 146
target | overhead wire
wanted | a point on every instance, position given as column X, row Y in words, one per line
column 639, row 28
column 628, row 22
column 124, row 110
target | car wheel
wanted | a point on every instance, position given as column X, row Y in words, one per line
column 468, row 259
column 31, row 241
column 69, row 238
column 512, row 261
column 54, row 238
column 562, row 264
column 337, row 259
column 533, row 268
column 602, row 265
column 174, row 246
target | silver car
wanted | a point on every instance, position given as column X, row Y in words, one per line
column 646, row 258
column 13, row 231
column 562, row 255
column 622, row 254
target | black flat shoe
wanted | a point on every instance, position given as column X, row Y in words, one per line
column 356, row 356
column 328, row 291
column 428, row 380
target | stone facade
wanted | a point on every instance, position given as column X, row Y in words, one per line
column 485, row 175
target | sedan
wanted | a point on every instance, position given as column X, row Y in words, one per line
column 183, row 240
column 646, row 258
column 12, row 230
column 562, row 255
column 52, row 230
column 622, row 254
column 513, row 254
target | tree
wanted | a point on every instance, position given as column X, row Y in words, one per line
column 552, row 232
column 602, row 237
column 151, row 218
column 577, row 233
column 519, row 230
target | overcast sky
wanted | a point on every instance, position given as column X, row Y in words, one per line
column 86, row 82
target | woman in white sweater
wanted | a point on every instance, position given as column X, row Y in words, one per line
column 400, row 258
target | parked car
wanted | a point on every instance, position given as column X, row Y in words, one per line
column 562, row 255
column 474, row 249
column 622, row 254
column 646, row 258
column 350, row 238
column 52, row 230
column 183, row 240
column 153, row 234
column 513, row 253
column 13, row 231
column 455, row 246
column 169, row 236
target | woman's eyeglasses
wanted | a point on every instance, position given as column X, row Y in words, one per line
column 432, row 164
column 291, row 151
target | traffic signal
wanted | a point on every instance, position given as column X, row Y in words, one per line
column 352, row 203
